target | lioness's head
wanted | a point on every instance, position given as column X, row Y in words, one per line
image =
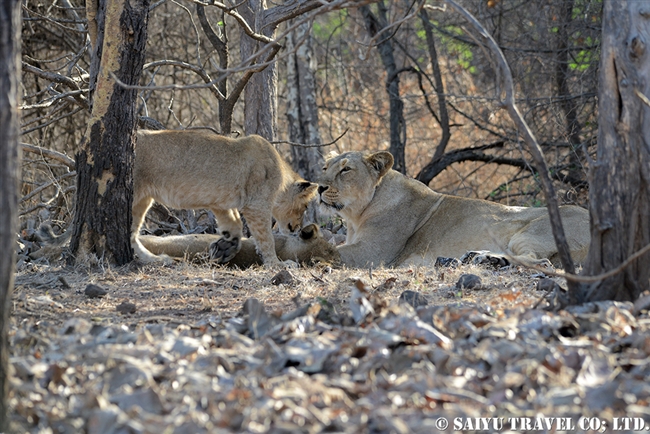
column 290, row 205
column 349, row 180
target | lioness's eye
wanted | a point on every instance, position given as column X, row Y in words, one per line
column 345, row 169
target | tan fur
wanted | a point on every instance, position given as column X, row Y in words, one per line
column 199, row 169
column 394, row 220
column 308, row 247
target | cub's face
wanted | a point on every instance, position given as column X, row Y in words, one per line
column 310, row 247
column 349, row 180
column 290, row 206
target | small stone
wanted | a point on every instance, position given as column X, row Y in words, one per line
column 284, row 277
column 469, row 281
column 414, row 298
column 126, row 307
column 95, row 291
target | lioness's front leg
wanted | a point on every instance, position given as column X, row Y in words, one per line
column 232, row 231
column 259, row 222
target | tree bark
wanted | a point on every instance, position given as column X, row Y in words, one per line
column 10, row 72
column 620, row 176
column 428, row 172
column 568, row 104
column 260, row 94
column 105, row 161
column 302, row 111
column 396, row 106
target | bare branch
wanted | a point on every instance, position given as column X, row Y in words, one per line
column 310, row 145
column 58, row 156
column 77, row 94
column 196, row 69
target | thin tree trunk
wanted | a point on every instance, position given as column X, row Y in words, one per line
column 396, row 106
column 302, row 111
column 620, row 177
column 104, row 163
column 10, row 27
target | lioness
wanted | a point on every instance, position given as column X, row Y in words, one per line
column 199, row 169
column 308, row 247
column 394, row 220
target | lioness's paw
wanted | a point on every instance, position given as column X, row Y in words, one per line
column 223, row 250
column 485, row 257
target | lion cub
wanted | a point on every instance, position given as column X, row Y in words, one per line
column 191, row 169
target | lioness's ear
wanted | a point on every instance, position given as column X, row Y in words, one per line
column 381, row 161
column 331, row 155
column 309, row 232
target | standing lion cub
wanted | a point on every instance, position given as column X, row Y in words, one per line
column 191, row 169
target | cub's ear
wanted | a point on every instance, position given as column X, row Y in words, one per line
column 382, row 162
column 306, row 188
column 309, row 232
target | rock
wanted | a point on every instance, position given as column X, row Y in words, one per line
column 469, row 281
column 126, row 307
column 414, row 298
column 95, row 291
column 284, row 277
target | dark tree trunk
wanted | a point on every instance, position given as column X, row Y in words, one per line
column 620, row 176
column 10, row 28
column 562, row 73
column 429, row 171
column 105, row 161
column 302, row 111
column 396, row 106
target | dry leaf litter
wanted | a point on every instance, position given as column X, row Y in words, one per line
column 198, row 349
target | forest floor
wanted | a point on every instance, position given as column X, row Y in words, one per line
column 190, row 348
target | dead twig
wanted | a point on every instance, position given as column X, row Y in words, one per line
column 310, row 145
column 58, row 156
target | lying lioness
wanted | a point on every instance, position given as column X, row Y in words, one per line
column 394, row 220
column 307, row 248
column 192, row 169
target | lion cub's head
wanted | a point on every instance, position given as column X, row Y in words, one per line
column 349, row 180
column 309, row 248
column 290, row 205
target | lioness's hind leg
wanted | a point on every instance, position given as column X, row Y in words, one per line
column 259, row 222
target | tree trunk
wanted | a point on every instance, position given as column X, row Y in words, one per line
column 396, row 106
column 260, row 94
column 567, row 102
column 428, row 172
column 302, row 111
column 10, row 72
column 105, row 161
column 620, row 176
